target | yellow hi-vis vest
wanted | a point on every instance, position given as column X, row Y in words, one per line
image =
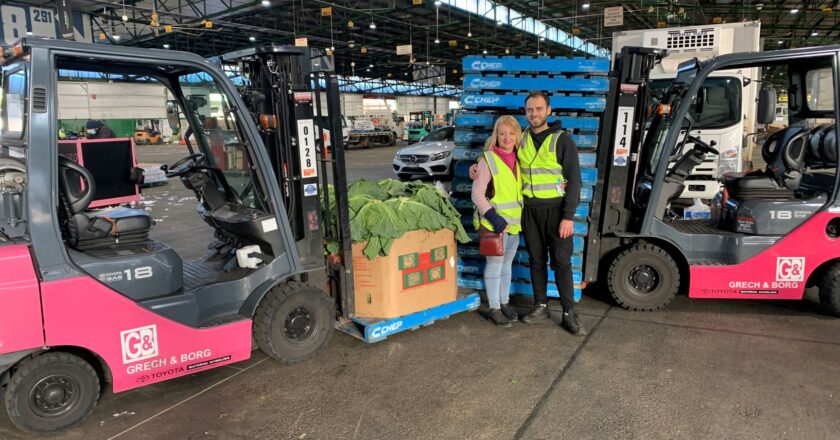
column 507, row 199
column 542, row 176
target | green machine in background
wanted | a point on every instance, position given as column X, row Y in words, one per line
column 419, row 125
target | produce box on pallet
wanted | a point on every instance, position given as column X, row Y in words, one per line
column 497, row 86
column 417, row 274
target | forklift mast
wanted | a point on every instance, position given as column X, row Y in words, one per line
column 283, row 89
column 622, row 134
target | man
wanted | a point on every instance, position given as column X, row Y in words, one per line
column 551, row 185
column 98, row 130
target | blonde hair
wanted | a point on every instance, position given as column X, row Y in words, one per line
column 512, row 123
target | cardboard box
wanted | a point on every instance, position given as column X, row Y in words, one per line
column 418, row 273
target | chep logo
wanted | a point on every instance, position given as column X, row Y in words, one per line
column 790, row 269
column 485, row 65
column 481, row 100
column 139, row 344
column 481, row 83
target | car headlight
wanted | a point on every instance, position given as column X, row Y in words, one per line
column 441, row 155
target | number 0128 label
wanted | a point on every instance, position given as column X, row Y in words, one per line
column 306, row 143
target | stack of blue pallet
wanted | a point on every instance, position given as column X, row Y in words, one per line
column 496, row 86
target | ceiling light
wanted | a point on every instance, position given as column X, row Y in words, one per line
column 117, row 37
column 367, row 70
column 406, row 73
column 125, row 17
column 781, row 42
column 438, row 2
column 469, row 34
column 166, row 46
column 351, row 44
column 437, row 40
column 371, row 66
column 542, row 38
column 499, row 23
column 794, row 11
column 372, row 25
column 814, row 34
column 332, row 48
column 252, row 38
column 265, row 3
column 484, row 52
column 352, row 64
column 585, row 6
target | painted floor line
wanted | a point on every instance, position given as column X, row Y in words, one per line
column 538, row 407
column 189, row 398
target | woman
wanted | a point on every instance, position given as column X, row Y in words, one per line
column 497, row 195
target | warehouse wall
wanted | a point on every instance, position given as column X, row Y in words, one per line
column 102, row 100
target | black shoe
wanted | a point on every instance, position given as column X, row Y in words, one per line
column 498, row 318
column 509, row 312
column 539, row 313
column 571, row 322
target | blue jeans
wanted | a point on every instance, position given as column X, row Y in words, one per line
column 497, row 273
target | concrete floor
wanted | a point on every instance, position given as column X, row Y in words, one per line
column 699, row 369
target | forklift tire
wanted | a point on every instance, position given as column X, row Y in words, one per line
column 51, row 392
column 294, row 322
column 829, row 287
column 643, row 277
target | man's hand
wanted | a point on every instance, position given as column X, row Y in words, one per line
column 567, row 228
column 473, row 171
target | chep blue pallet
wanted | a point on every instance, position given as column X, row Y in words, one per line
column 588, row 176
column 534, row 64
column 578, row 241
column 478, row 138
column 481, row 83
column 583, row 123
column 516, row 288
column 471, row 100
column 470, row 251
column 463, row 185
column 374, row 330
column 519, row 272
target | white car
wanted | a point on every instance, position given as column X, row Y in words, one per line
column 431, row 157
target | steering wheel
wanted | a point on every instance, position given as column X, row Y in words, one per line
column 703, row 146
column 78, row 201
column 180, row 168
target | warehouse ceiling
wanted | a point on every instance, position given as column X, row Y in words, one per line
column 365, row 33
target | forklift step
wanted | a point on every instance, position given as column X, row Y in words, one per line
column 374, row 330
column 486, row 120
column 471, row 100
column 492, row 82
column 472, row 64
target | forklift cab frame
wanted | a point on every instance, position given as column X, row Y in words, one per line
column 644, row 255
column 65, row 328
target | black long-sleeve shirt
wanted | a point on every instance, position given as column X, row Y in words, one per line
column 567, row 157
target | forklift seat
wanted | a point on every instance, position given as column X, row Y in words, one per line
column 86, row 229
column 784, row 152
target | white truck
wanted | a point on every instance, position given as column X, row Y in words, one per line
column 729, row 111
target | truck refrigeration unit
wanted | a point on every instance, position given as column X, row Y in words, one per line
column 729, row 95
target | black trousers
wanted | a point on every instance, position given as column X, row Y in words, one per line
column 541, row 228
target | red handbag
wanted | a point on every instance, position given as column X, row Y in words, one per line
column 490, row 244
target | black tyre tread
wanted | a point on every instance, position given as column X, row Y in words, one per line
column 829, row 287
column 262, row 319
column 627, row 253
column 27, row 367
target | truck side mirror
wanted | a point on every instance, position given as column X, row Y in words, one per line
column 172, row 115
column 766, row 106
